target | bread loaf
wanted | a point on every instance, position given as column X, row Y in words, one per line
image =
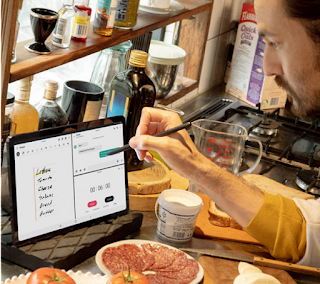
column 152, row 179
column 265, row 184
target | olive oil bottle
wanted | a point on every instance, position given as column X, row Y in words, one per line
column 130, row 91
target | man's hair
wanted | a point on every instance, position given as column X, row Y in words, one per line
column 308, row 12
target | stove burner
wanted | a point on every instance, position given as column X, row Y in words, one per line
column 267, row 128
column 308, row 178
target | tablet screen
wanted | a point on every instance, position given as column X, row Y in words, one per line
column 66, row 179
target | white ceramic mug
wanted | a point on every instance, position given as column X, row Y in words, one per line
column 161, row 4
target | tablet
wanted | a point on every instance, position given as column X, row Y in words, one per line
column 62, row 178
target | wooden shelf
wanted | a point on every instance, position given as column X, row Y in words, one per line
column 29, row 63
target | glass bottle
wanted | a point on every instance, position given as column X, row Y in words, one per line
column 104, row 17
column 25, row 117
column 130, row 91
column 61, row 35
column 126, row 15
column 110, row 62
column 50, row 113
column 81, row 21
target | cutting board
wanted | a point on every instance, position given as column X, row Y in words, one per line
column 146, row 202
column 204, row 228
column 223, row 271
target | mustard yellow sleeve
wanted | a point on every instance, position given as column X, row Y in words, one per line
column 280, row 226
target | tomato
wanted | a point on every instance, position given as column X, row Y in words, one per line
column 128, row 277
column 50, row 275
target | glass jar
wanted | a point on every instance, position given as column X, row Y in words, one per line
column 110, row 62
column 126, row 14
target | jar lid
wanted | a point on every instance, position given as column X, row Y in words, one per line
column 165, row 53
column 10, row 98
column 138, row 58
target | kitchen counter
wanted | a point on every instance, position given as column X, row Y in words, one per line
column 148, row 232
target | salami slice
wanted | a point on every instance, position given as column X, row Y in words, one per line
column 122, row 257
column 164, row 256
column 166, row 280
column 179, row 263
column 190, row 271
column 153, row 279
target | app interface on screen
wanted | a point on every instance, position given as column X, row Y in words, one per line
column 69, row 179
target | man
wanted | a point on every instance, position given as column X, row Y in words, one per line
column 289, row 229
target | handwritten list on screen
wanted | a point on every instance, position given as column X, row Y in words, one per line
column 45, row 191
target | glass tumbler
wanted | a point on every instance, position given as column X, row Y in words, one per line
column 110, row 62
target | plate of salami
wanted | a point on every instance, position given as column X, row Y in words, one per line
column 160, row 263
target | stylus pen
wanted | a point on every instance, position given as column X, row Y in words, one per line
column 160, row 134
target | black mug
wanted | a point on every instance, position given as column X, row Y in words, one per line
column 42, row 22
column 81, row 100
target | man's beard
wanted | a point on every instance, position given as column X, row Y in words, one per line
column 303, row 105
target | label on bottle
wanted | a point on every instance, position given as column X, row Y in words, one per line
column 92, row 110
column 23, row 94
column 59, row 30
column 118, row 105
column 81, row 26
column 121, row 13
column 105, row 14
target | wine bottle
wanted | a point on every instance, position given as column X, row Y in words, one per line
column 50, row 113
column 130, row 91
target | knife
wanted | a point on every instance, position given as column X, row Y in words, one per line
column 257, row 260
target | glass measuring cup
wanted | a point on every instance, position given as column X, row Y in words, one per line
column 223, row 143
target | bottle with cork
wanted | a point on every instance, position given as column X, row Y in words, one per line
column 130, row 91
column 50, row 113
column 25, row 117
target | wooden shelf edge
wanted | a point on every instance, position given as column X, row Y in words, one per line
column 30, row 63
column 179, row 95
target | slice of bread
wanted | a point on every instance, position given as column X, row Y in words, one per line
column 220, row 218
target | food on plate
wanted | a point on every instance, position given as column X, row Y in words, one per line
column 46, row 275
column 250, row 274
column 160, row 264
column 128, row 277
column 220, row 218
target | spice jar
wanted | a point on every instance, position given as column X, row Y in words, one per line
column 126, row 14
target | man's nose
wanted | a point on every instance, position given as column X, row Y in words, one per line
column 271, row 62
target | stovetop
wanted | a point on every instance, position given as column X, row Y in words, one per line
column 290, row 146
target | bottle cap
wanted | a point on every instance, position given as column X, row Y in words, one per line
column 51, row 88
column 138, row 58
column 23, row 89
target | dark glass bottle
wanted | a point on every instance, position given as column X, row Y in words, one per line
column 130, row 91
column 50, row 113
